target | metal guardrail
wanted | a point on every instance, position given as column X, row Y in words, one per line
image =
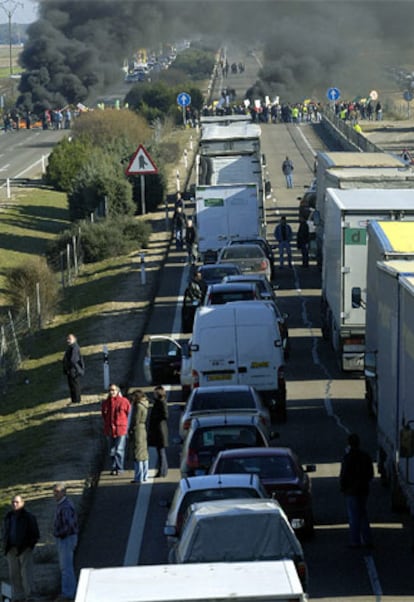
column 352, row 139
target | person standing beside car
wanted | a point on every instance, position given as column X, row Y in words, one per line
column 303, row 239
column 158, row 429
column 73, row 367
column 20, row 535
column 115, row 413
column 287, row 169
column 283, row 235
column 66, row 532
column 140, row 405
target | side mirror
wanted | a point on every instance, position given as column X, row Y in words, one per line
column 356, row 297
column 316, row 217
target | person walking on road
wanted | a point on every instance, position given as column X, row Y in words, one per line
column 190, row 241
column 140, row 405
column 158, row 429
column 20, row 535
column 115, row 413
column 73, row 367
column 287, row 169
column 303, row 239
column 355, row 477
column 179, row 224
column 283, row 235
column 66, row 537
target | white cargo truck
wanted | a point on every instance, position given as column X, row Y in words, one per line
column 346, row 170
column 225, row 213
column 393, row 372
column 344, row 277
column 237, row 138
column 387, row 241
column 267, row 581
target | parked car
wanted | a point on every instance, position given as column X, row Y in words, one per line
column 213, row 273
column 218, row 294
column 282, row 475
column 209, row 435
column 233, row 399
column 251, row 259
column 267, row 248
column 267, row 293
column 238, row 530
column 208, row 488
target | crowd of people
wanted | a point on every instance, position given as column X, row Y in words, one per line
column 56, row 119
column 354, row 111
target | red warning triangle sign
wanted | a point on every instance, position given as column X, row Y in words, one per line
column 141, row 163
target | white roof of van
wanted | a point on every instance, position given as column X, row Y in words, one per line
column 374, row 199
column 374, row 174
column 209, row 581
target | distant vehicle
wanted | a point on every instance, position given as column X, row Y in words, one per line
column 208, row 488
column 282, row 475
column 218, row 294
column 214, row 273
column 209, row 435
column 238, row 530
column 250, row 258
column 233, row 399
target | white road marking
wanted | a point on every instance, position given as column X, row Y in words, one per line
column 373, row 577
column 5, row 167
column 306, row 141
column 136, row 532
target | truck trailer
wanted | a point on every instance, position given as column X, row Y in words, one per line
column 388, row 242
column 344, row 271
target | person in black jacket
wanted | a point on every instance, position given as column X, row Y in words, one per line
column 73, row 367
column 356, row 474
column 303, row 239
column 158, row 429
column 20, row 535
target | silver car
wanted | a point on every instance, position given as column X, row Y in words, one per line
column 251, row 259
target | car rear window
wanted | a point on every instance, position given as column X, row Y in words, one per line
column 209, row 495
column 232, row 400
column 219, row 298
column 227, row 437
column 266, row 467
column 243, row 253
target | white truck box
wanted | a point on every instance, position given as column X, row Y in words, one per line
column 225, row 119
column 239, row 137
column 225, row 213
column 347, row 214
column 387, row 242
column 240, row 343
column 268, row 581
column 394, row 378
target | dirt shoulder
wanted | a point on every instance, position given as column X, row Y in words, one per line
column 72, row 442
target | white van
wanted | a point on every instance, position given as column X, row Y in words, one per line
column 268, row 581
column 238, row 343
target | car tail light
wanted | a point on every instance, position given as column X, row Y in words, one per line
column 281, row 375
column 302, row 571
column 192, row 458
column 187, row 424
column 196, row 379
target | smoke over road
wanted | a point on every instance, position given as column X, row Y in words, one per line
column 308, row 45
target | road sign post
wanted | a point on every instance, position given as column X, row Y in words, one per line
column 333, row 94
column 184, row 100
column 141, row 164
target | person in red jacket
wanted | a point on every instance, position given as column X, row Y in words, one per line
column 115, row 413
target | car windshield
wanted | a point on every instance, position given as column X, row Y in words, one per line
column 267, row 467
column 231, row 400
column 243, row 252
column 226, row 437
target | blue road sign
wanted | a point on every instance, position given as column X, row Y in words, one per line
column 333, row 93
column 408, row 95
column 183, row 99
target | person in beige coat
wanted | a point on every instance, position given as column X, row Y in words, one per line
column 140, row 406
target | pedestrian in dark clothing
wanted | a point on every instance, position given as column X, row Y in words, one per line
column 190, row 241
column 66, row 532
column 356, row 474
column 283, row 235
column 140, row 405
column 179, row 202
column 115, row 411
column 287, row 169
column 303, row 239
column 20, row 535
column 73, row 367
column 179, row 224
column 158, row 429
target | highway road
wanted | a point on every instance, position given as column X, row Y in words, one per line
column 324, row 405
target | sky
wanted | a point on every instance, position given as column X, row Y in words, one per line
column 23, row 11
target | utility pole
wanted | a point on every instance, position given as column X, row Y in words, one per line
column 10, row 7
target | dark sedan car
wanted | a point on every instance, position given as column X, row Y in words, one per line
column 213, row 273
column 282, row 475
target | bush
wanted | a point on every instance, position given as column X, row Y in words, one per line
column 65, row 162
column 111, row 238
column 196, row 63
column 21, row 284
column 100, row 182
